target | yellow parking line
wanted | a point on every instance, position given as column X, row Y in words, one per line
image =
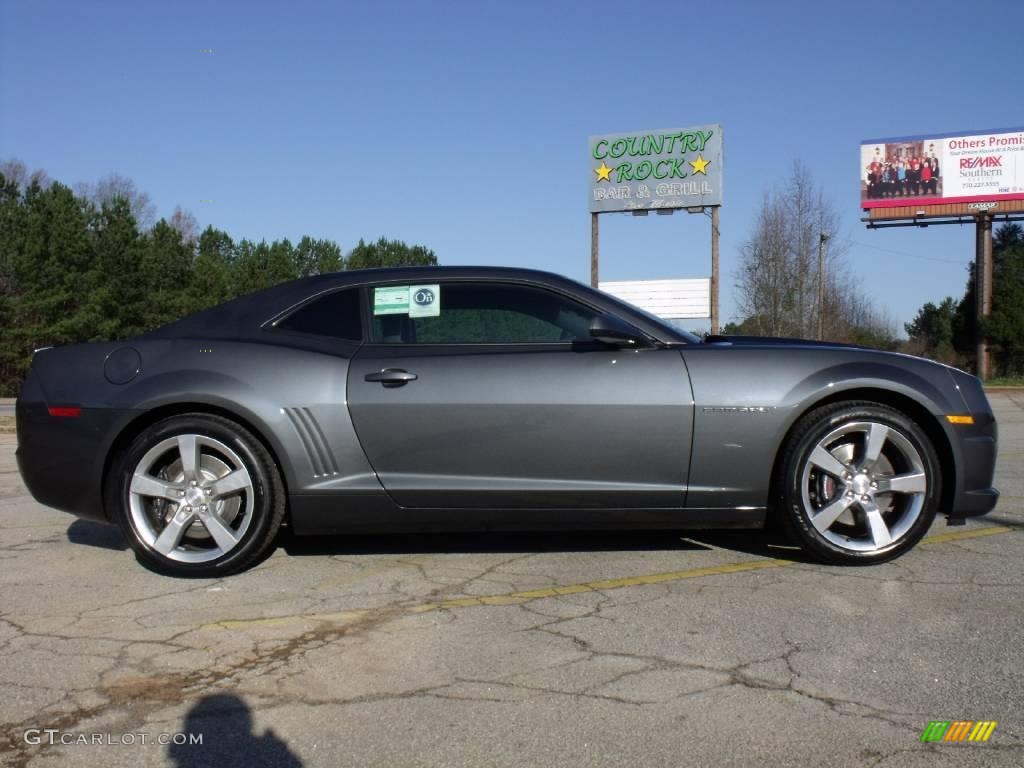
column 975, row 533
column 515, row 598
column 274, row 621
column 512, row 598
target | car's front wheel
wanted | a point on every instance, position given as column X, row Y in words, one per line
column 198, row 495
column 859, row 483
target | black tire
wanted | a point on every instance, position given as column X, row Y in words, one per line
column 264, row 500
column 837, row 546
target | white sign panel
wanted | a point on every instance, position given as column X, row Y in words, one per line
column 670, row 299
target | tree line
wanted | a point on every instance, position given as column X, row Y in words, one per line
column 946, row 331
column 93, row 264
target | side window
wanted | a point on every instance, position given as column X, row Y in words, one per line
column 336, row 314
column 489, row 313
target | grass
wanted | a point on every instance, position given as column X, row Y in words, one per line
column 1005, row 381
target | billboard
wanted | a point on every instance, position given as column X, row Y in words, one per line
column 646, row 170
column 671, row 299
column 944, row 168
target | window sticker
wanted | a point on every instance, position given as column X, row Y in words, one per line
column 392, row 300
column 412, row 300
column 425, row 300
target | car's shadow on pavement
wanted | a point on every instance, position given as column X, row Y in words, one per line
column 749, row 542
column 1009, row 522
column 96, row 535
column 756, row 542
column 484, row 542
column 753, row 542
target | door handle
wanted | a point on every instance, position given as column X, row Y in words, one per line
column 392, row 377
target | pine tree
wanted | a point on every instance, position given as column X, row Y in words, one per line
column 116, row 294
column 316, row 257
column 1004, row 328
column 212, row 270
column 389, row 253
column 166, row 275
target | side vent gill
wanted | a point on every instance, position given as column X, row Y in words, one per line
column 313, row 440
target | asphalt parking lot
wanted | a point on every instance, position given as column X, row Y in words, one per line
column 640, row 649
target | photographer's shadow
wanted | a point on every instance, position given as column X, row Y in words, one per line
column 224, row 723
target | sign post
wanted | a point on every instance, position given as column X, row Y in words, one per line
column 660, row 170
column 714, row 270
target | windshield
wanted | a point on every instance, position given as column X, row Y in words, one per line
column 662, row 322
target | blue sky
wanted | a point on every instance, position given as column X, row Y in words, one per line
column 464, row 125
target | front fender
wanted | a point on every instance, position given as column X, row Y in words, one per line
column 747, row 399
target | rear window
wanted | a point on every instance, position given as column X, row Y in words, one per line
column 336, row 315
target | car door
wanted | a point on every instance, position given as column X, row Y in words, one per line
column 491, row 394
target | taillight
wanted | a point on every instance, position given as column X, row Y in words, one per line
column 65, row 411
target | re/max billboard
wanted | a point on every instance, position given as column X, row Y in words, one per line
column 942, row 168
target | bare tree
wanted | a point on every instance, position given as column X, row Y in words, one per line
column 115, row 185
column 16, row 171
column 764, row 270
column 852, row 316
column 185, row 223
column 777, row 280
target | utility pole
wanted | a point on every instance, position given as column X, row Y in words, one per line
column 983, row 291
column 821, row 285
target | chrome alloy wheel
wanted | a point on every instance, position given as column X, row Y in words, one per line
column 864, row 486
column 190, row 498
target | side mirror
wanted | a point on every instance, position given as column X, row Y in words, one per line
column 611, row 330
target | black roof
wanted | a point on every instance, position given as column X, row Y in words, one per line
column 243, row 317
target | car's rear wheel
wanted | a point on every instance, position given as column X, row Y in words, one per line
column 198, row 495
column 859, row 483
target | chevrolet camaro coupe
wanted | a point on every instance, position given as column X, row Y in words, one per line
column 446, row 398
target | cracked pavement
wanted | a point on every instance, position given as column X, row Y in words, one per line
column 580, row 649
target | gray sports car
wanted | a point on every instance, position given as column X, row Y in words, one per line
column 422, row 399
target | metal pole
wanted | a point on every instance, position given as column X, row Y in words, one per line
column 821, row 285
column 981, row 266
column 714, row 269
column 986, row 290
column 594, row 249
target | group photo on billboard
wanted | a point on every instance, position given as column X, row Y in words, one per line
column 942, row 168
